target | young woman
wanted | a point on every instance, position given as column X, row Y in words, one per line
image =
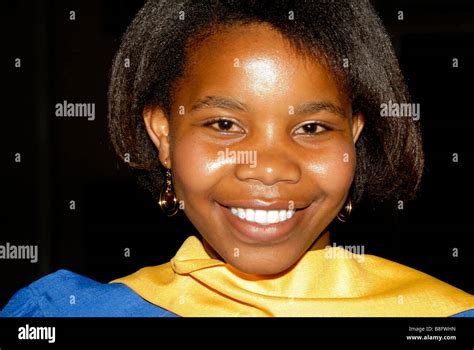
column 262, row 121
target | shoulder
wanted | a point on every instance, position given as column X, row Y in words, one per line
column 67, row 294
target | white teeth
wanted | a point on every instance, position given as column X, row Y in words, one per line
column 282, row 215
column 263, row 217
column 272, row 216
column 250, row 214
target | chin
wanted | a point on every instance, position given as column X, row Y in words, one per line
column 263, row 267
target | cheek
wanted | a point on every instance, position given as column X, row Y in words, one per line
column 196, row 168
column 332, row 169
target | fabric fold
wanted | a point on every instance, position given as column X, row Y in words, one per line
column 329, row 282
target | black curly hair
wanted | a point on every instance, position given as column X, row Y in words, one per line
column 390, row 157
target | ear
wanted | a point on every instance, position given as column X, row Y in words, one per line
column 157, row 127
column 358, row 121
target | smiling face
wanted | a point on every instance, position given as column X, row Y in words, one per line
column 261, row 147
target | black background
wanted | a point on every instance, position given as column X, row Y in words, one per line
column 65, row 159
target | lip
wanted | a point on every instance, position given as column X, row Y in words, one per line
column 252, row 232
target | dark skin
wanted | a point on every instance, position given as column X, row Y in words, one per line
column 306, row 158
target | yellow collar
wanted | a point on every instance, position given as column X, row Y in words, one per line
column 329, row 282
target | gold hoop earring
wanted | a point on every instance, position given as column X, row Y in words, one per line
column 167, row 200
column 344, row 214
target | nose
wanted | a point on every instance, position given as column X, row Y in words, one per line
column 271, row 167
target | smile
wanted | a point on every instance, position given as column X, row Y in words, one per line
column 258, row 221
column 263, row 217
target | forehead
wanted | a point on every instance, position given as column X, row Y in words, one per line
column 256, row 59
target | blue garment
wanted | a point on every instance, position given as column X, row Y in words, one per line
column 467, row 313
column 67, row 294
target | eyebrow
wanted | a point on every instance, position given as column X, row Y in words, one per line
column 318, row 106
column 219, row 102
column 233, row 104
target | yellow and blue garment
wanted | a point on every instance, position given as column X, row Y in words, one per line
column 323, row 283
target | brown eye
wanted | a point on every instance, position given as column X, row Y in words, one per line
column 224, row 125
column 310, row 129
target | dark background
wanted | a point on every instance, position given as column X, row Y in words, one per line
column 64, row 159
